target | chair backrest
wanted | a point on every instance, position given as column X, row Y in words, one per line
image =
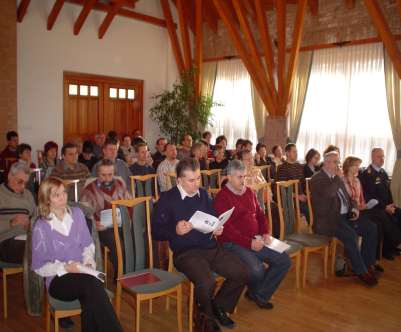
column 263, row 194
column 288, row 207
column 213, row 192
column 309, row 199
column 144, row 185
column 265, row 169
column 138, row 251
column 211, row 178
column 172, row 178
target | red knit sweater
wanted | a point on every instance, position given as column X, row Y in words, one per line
column 247, row 219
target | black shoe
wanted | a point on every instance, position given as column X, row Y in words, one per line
column 260, row 304
column 66, row 323
column 222, row 318
column 388, row 256
column 378, row 268
column 211, row 325
column 368, row 279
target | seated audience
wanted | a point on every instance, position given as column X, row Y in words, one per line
column 335, row 214
column 376, row 185
column 262, row 159
column 61, row 243
column 17, row 210
column 387, row 229
column 141, row 166
column 277, row 155
column 98, row 195
column 137, row 137
column 50, row 159
column 87, row 157
column 121, row 169
column 245, row 235
column 331, row 148
column 222, row 141
column 98, row 147
column 24, row 154
column 291, row 169
column 184, row 150
column 167, row 166
column 196, row 254
column 247, row 145
column 312, row 160
column 128, row 150
column 220, row 161
column 9, row 154
column 159, row 156
column 238, row 148
column 69, row 169
column 197, row 152
column 206, row 138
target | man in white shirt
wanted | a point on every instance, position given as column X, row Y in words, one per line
column 166, row 167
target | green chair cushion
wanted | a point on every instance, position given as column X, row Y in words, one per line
column 167, row 280
column 5, row 265
column 309, row 240
column 294, row 247
column 57, row 305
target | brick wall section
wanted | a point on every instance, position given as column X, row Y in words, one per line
column 334, row 23
column 8, row 68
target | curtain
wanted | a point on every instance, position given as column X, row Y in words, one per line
column 234, row 116
column 208, row 78
column 393, row 91
column 346, row 104
column 298, row 94
column 259, row 113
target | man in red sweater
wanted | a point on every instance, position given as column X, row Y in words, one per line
column 246, row 233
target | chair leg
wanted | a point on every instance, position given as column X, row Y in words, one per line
column 48, row 318
column 306, row 254
column 150, row 306
column 118, row 299
column 167, row 303
column 333, row 255
column 138, row 313
column 191, row 307
column 179, row 308
column 5, row 304
column 325, row 261
column 55, row 323
column 297, row 270
column 106, row 265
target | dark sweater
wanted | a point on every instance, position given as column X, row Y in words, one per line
column 171, row 209
column 137, row 169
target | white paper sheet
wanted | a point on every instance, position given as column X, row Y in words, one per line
column 206, row 223
column 275, row 244
column 372, row 203
column 106, row 218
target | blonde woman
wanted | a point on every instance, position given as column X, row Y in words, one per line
column 61, row 244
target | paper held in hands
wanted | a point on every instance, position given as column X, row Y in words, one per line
column 206, row 223
column 275, row 244
column 106, row 218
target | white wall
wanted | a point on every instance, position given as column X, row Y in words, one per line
column 130, row 48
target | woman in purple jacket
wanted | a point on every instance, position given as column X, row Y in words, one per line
column 61, row 244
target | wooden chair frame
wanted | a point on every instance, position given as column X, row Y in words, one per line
column 144, row 178
column 57, row 315
column 323, row 250
column 209, row 173
column 138, row 298
column 268, row 167
column 7, row 271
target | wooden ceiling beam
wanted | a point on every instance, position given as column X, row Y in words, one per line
column 313, row 7
column 198, row 57
column 250, row 40
column 184, row 33
column 109, row 18
column 296, row 44
column 281, row 40
column 173, row 35
column 22, row 9
column 211, row 17
column 266, row 42
column 385, row 34
column 399, row 7
column 226, row 15
column 125, row 13
column 88, row 5
column 58, row 5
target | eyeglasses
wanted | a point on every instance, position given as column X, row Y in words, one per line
column 21, row 182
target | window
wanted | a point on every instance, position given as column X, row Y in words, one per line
column 72, row 89
column 346, row 104
column 234, row 118
column 121, row 93
column 94, row 91
column 131, row 94
column 83, row 90
column 113, row 93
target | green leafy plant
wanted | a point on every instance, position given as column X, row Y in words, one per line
column 181, row 110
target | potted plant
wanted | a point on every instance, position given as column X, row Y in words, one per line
column 181, row 110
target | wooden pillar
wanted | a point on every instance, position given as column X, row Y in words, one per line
column 275, row 131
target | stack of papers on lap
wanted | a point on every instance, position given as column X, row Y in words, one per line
column 206, row 223
column 275, row 244
column 106, row 218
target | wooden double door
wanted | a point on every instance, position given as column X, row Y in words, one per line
column 94, row 104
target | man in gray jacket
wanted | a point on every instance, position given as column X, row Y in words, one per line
column 336, row 215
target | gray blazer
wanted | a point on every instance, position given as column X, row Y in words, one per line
column 326, row 203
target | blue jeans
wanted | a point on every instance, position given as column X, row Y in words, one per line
column 263, row 282
column 348, row 231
